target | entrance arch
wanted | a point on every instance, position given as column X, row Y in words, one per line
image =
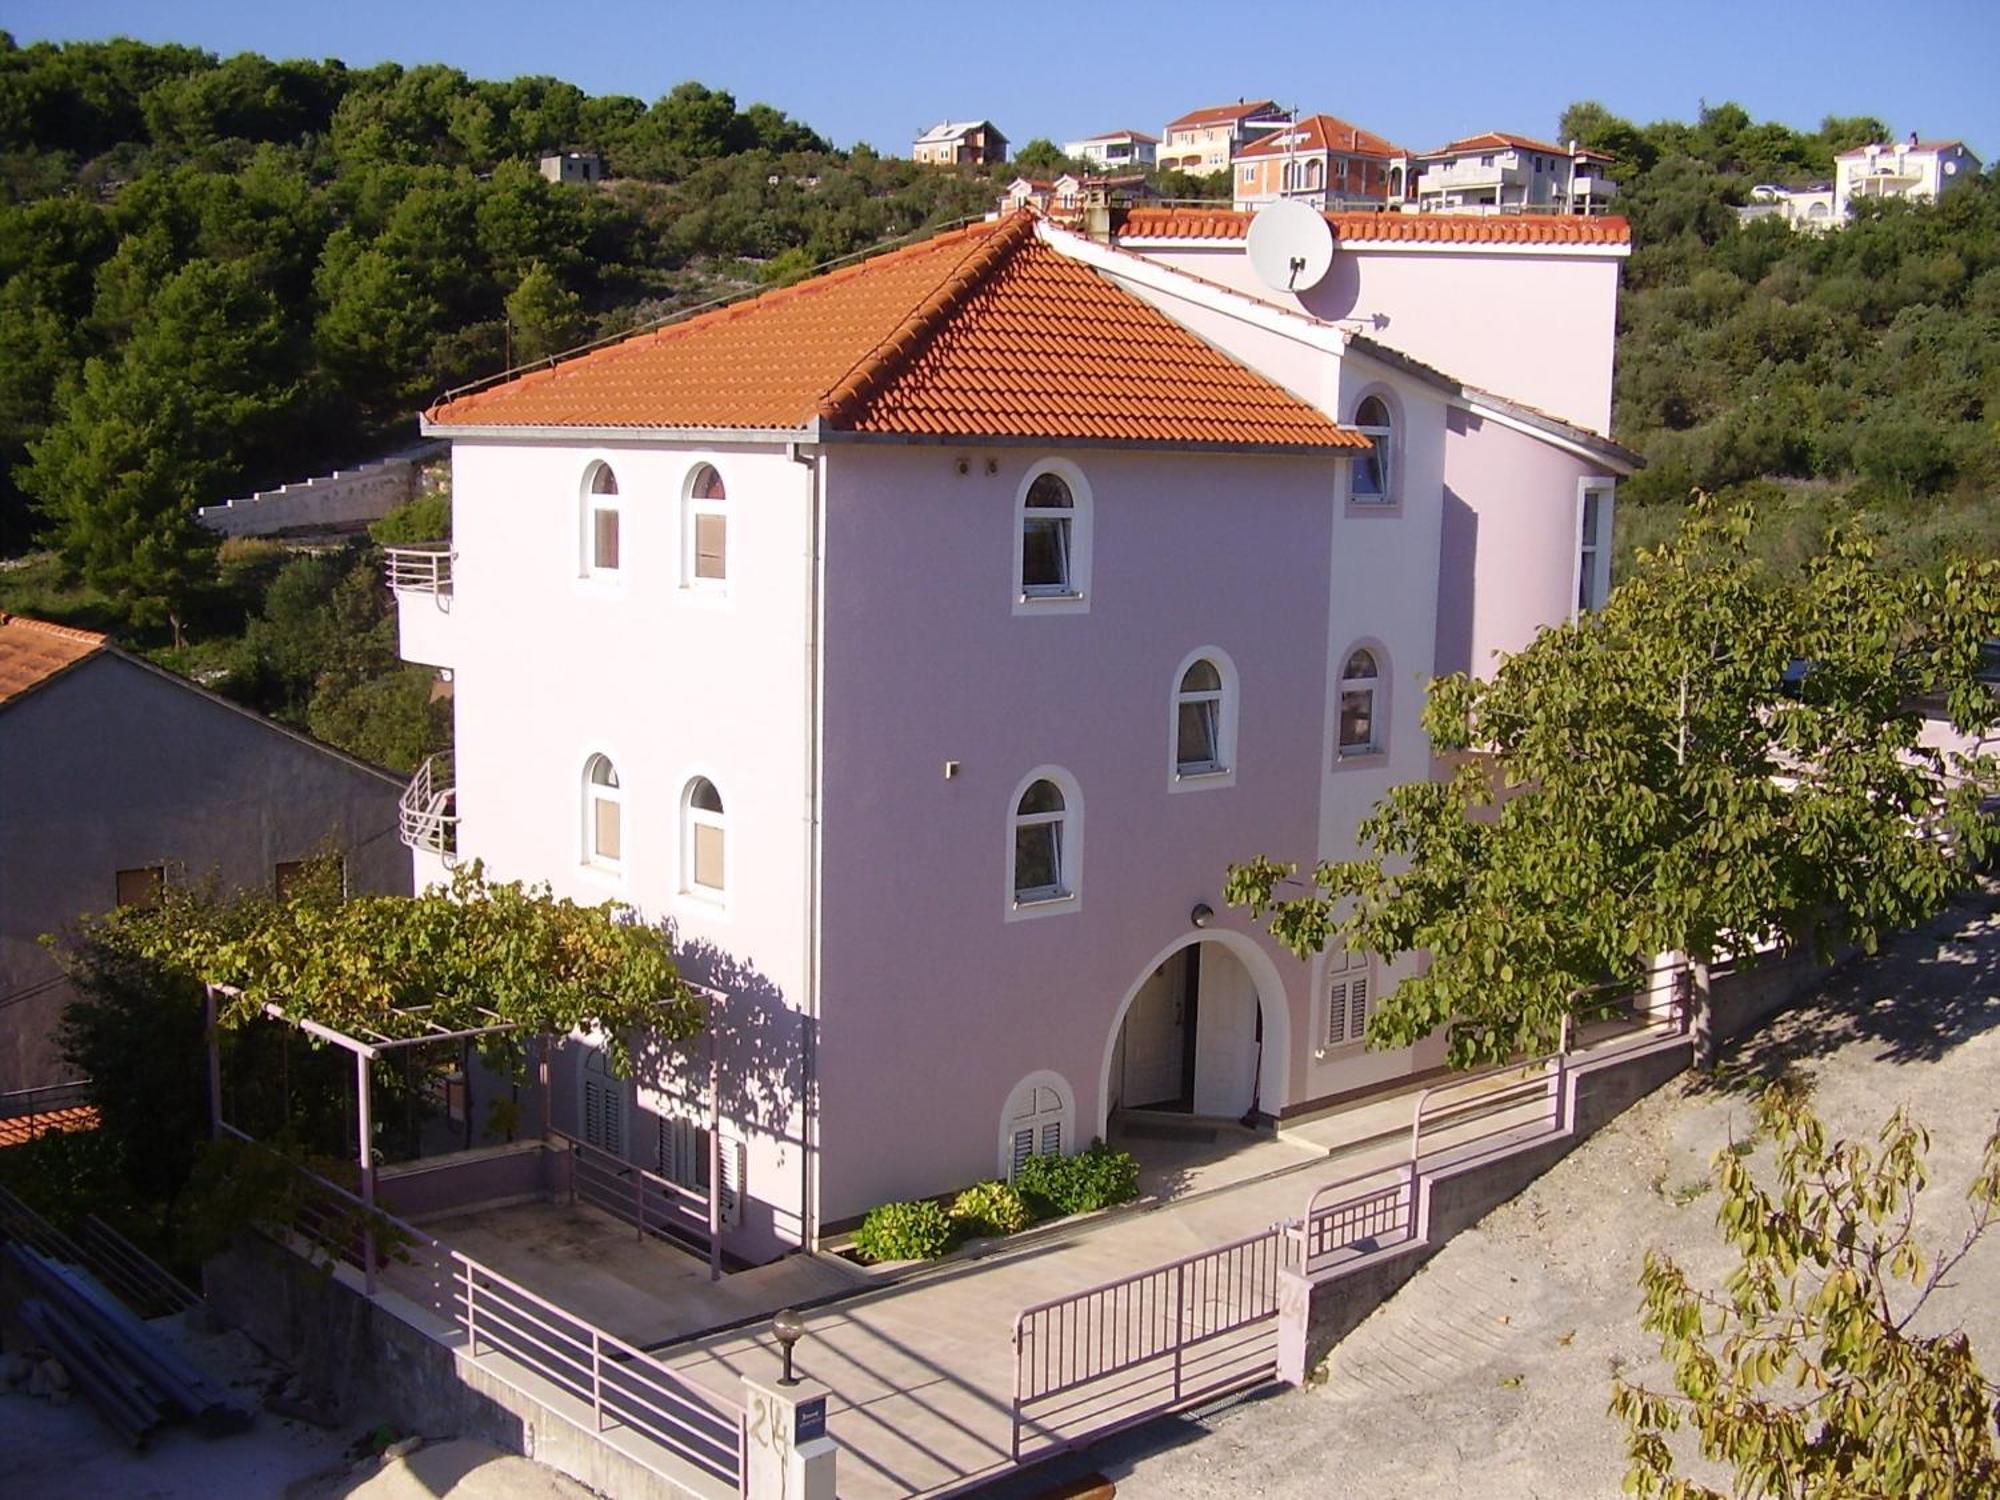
column 1231, row 1062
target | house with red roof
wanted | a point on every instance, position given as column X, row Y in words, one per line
column 1320, row 160
column 922, row 641
column 1496, row 173
column 1204, row 141
column 118, row 778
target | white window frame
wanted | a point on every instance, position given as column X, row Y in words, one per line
column 1069, row 848
column 692, row 819
column 1388, row 445
column 1349, row 990
column 595, row 792
column 692, row 510
column 1023, row 1105
column 1378, row 708
column 1075, row 598
column 1227, row 698
column 594, row 503
column 1590, row 581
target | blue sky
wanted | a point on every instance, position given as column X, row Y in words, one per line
column 1417, row 71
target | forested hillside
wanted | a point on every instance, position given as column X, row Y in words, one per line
column 219, row 274
column 1852, row 372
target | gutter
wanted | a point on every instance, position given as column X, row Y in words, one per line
column 815, row 562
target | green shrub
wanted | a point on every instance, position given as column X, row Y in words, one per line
column 904, row 1231
column 990, row 1208
column 424, row 519
column 1055, row 1186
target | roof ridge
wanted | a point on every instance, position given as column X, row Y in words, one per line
column 894, row 353
column 49, row 627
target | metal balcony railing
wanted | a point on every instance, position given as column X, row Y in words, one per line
column 427, row 815
column 419, row 570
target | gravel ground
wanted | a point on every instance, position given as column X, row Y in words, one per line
column 1489, row 1374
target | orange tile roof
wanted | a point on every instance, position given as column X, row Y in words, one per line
column 1440, row 229
column 34, row 651
column 18, row 1130
column 1322, row 133
column 1496, row 140
column 982, row 332
column 1224, row 114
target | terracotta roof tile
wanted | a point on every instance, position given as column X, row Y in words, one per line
column 18, row 1130
column 33, row 651
column 1500, row 140
column 985, row 332
column 1321, row 133
column 1441, row 229
column 1223, row 114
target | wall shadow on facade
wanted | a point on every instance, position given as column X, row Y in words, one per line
column 763, row 1042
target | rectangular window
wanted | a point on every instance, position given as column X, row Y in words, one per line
column 141, row 887
column 711, row 546
column 1357, row 721
column 1196, row 747
column 604, row 538
column 708, row 856
column 604, row 826
column 1349, row 997
column 1045, row 555
column 1038, row 859
column 1593, row 569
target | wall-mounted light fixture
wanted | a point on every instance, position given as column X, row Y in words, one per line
column 1202, row 914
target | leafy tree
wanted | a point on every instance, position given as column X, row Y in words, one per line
column 1042, row 157
column 1661, row 776
column 1805, row 1374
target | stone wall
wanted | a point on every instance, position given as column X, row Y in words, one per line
column 344, row 500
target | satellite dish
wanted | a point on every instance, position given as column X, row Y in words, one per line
column 1291, row 246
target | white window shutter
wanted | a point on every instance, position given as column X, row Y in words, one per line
column 1052, row 1138
column 1357, row 1008
column 1024, row 1147
column 730, row 1195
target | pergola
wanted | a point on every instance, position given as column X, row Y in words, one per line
column 412, row 1026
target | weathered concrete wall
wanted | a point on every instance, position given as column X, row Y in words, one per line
column 387, row 1360
column 467, row 1179
column 344, row 499
column 1745, row 998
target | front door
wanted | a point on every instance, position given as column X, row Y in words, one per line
column 1156, row 1040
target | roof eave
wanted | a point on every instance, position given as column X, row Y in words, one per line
column 806, row 432
column 1044, row 441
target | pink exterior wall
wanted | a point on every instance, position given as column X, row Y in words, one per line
column 936, row 1005
column 1508, row 554
column 550, row 667
column 1534, row 325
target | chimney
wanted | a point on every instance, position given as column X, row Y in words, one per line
column 1099, row 221
column 1913, row 140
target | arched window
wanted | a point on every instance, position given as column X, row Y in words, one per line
column 704, row 852
column 1052, row 540
column 603, row 809
column 600, row 528
column 1204, row 720
column 1312, row 173
column 1039, row 1120
column 705, row 534
column 1360, row 704
column 1374, row 475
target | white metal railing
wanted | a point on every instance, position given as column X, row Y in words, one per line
column 419, row 570
column 427, row 813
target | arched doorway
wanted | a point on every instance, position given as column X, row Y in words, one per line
column 1204, row 1032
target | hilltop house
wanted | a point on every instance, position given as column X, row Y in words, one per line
column 960, row 143
column 1320, row 160
column 922, row 642
column 1115, row 150
column 1908, row 169
column 1205, row 141
column 1497, row 173
column 117, row 778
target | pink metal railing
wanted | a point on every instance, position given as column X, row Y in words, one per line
column 651, row 1203
column 622, row 1384
column 1069, row 1350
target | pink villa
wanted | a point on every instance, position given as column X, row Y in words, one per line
column 921, row 643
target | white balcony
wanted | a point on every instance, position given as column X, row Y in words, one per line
column 420, row 578
column 427, row 813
